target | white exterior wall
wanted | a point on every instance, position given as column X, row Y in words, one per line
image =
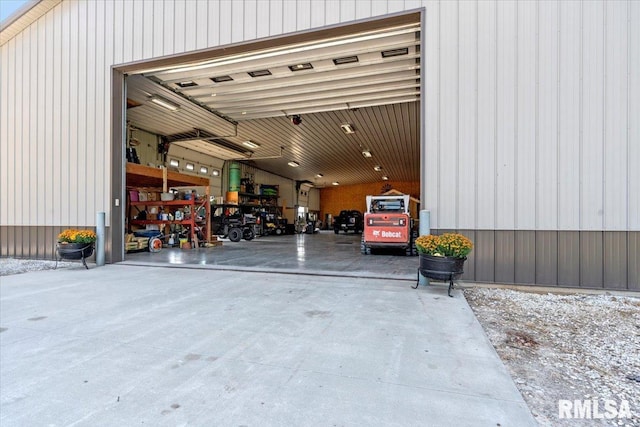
column 532, row 115
column 531, row 108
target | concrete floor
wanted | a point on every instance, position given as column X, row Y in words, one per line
column 323, row 253
column 123, row 345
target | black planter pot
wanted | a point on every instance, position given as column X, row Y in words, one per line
column 445, row 269
column 75, row 251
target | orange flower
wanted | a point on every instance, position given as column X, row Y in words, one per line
column 71, row 235
column 447, row 245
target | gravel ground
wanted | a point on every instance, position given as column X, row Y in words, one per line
column 10, row 266
column 572, row 347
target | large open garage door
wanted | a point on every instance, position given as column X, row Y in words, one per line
column 308, row 124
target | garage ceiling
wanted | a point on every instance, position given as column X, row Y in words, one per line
column 291, row 102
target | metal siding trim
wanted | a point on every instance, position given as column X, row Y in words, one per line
column 547, row 257
column 525, row 257
column 118, row 179
column 505, row 256
column 633, row 263
column 591, row 259
column 615, row 260
column 568, row 258
column 470, row 264
column 485, row 256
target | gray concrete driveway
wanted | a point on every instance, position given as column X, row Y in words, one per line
column 126, row 345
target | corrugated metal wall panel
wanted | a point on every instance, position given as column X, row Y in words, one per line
column 485, row 249
column 506, row 116
column 468, row 113
column 448, row 142
column 525, row 132
column 505, row 256
column 546, row 257
column 525, row 257
column 615, row 260
column 568, row 258
column 546, row 154
column 470, row 264
column 633, row 264
column 592, row 148
column 569, row 116
column 591, row 259
column 487, row 120
column 633, row 125
column 616, row 118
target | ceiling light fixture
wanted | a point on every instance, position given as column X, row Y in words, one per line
column 221, row 79
column 259, row 73
column 215, row 172
column 188, row 83
column 169, row 105
column 293, row 164
column 347, row 128
column 345, row 60
column 299, row 67
column 250, row 144
column 377, row 168
column 394, row 52
column 190, row 166
column 203, row 169
column 319, row 175
column 174, row 163
column 366, row 153
column 335, row 183
column 385, row 178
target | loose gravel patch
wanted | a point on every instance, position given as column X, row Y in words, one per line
column 569, row 347
column 9, row 266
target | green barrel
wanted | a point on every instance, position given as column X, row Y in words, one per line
column 234, row 177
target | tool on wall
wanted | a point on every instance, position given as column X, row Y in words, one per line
column 132, row 154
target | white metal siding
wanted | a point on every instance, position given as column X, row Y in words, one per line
column 531, row 107
column 557, row 92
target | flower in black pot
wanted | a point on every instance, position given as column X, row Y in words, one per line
column 442, row 257
column 76, row 244
column 452, row 245
column 77, row 236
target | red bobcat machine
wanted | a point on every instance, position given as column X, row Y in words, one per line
column 388, row 224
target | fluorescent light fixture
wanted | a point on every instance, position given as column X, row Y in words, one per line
column 293, row 164
column 345, row 60
column 335, row 183
column 395, row 52
column 250, row 144
column 319, row 175
column 190, row 166
column 215, row 172
column 385, row 178
column 377, row 168
column 204, row 169
column 259, row 73
column 366, row 153
column 221, row 79
column 298, row 67
column 188, row 83
column 173, row 162
column 347, row 128
column 169, row 105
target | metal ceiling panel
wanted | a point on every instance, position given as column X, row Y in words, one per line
column 379, row 96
